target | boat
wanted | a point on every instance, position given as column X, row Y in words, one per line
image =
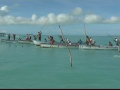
column 98, row 47
column 9, row 41
column 25, row 41
column 59, row 45
column 37, row 43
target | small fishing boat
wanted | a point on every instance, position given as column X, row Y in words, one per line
column 59, row 45
column 8, row 41
column 25, row 41
column 98, row 47
column 37, row 43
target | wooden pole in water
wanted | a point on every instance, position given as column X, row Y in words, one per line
column 67, row 47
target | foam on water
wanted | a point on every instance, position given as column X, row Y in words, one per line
column 116, row 55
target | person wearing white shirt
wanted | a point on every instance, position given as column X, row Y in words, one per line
column 90, row 39
column 93, row 42
column 117, row 41
column 69, row 41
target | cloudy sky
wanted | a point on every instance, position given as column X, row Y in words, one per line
column 30, row 16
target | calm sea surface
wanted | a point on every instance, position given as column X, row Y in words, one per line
column 33, row 67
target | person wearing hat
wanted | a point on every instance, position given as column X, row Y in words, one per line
column 117, row 41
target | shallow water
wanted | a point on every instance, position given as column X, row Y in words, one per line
column 29, row 66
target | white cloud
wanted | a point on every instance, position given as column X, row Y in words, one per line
column 93, row 19
column 77, row 11
column 60, row 19
column 34, row 17
column 112, row 20
column 65, row 19
column 10, row 20
column 52, row 18
column 41, row 20
column 4, row 10
column 56, row 19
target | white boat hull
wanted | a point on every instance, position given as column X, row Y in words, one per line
column 37, row 43
column 25, row 42
column 8, row 41
column 98, row 47
column 48, row 45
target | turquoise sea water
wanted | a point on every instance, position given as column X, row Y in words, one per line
column 33, row 67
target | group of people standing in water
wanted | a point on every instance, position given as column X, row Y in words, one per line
column 14, row 35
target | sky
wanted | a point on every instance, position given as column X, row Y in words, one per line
column 97, row 17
